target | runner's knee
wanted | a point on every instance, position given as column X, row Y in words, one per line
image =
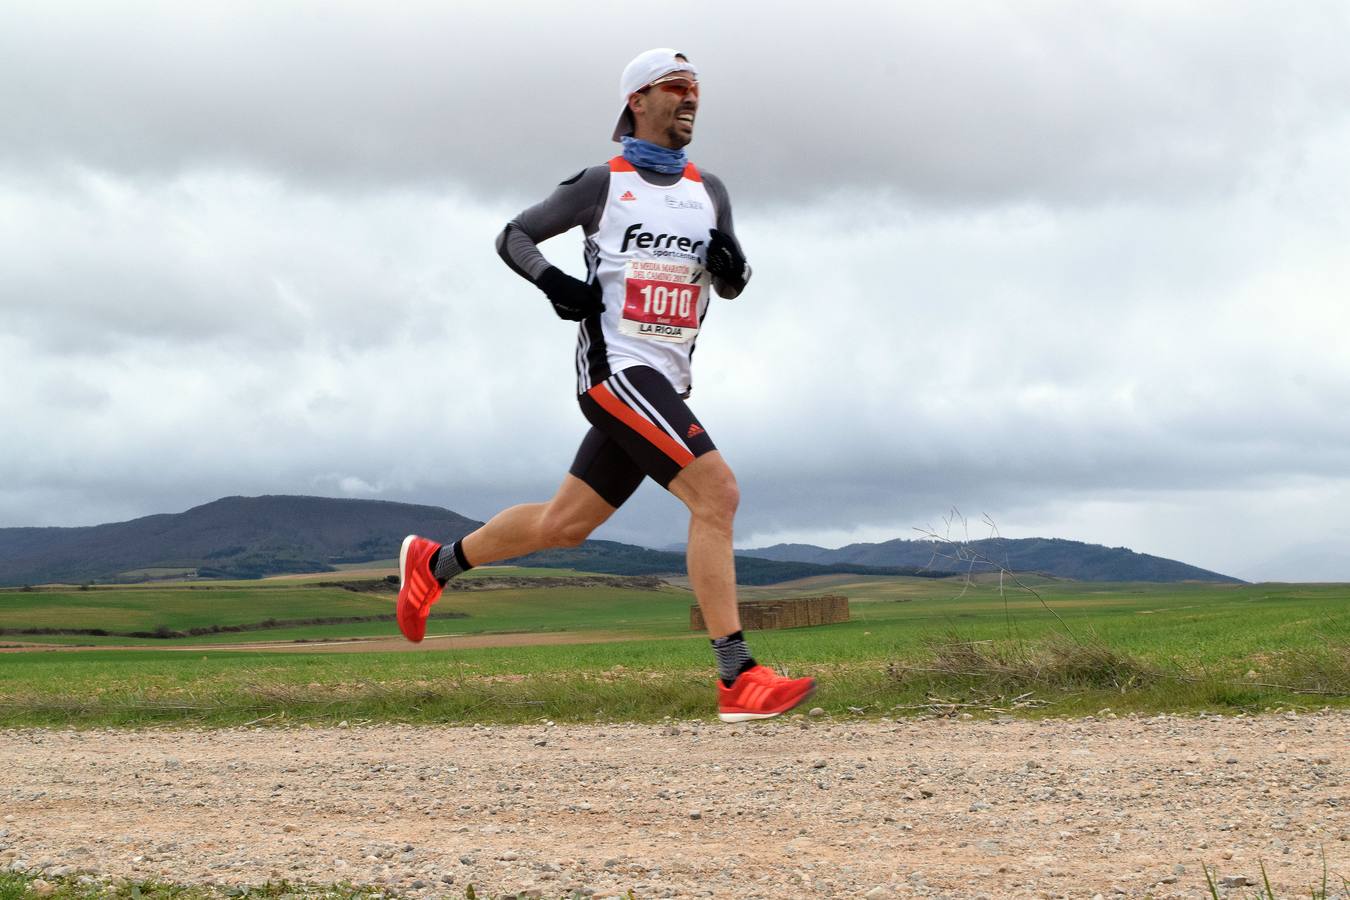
column 717, row 497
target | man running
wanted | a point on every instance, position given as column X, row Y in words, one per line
column 659, row 236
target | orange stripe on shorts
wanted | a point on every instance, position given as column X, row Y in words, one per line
column 654, row 436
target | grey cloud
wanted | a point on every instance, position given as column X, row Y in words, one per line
column 206, row 257
column 1062, row 102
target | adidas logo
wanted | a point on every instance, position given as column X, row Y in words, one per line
column 627, row 195
column 694, row 431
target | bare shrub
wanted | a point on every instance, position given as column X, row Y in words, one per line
column 1055, row 660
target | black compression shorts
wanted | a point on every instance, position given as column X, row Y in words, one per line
column 639, row 427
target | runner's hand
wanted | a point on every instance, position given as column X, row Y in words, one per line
column 572, row 299
column 725, row 260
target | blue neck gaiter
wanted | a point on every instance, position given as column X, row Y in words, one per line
column 646, row 155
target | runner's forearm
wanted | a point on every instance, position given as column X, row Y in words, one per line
column 577, row 202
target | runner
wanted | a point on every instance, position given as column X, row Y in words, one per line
column 659, row 239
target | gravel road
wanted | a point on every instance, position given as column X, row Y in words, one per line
column 801, row 807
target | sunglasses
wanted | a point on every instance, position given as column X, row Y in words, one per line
column 678, row 85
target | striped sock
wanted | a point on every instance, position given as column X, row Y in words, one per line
column 733, row 656
column 447, row 565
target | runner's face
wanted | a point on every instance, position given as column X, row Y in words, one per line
column 665, row 117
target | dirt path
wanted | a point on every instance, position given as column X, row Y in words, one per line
column 804, row 807
column 382, row 644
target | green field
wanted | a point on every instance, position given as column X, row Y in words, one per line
column 184, row 606
column 919, row 644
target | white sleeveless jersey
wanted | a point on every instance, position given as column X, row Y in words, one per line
column 647, row 253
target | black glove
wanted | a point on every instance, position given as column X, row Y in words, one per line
column 572, row 299
column 725, row 260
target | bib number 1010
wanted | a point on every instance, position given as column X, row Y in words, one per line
column 658, row 300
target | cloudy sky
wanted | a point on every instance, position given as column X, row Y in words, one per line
column 1081, row 268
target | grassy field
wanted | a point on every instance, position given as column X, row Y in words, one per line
column 918, row 644
column 182, row 606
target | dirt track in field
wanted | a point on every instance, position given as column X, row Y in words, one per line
column 361, row 645
column 802, row 807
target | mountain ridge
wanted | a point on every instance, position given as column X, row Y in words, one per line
column 250, row 537
column 238, row 537
column 1059, row 557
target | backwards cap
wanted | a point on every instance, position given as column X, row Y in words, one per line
column 642, row 71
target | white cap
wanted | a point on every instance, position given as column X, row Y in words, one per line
column 642, row 71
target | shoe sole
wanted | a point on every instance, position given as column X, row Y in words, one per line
column 747, row 717
column 403, row 560
column 733, row 718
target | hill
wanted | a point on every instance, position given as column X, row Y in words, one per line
column 251, row 537
column 234, row 537
column 1049, row 556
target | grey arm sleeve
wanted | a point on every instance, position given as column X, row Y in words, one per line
column 578, row 201
column 718, row 192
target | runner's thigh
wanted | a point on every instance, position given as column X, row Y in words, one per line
column 604, row 466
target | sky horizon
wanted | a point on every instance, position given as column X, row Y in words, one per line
column 1079, row 270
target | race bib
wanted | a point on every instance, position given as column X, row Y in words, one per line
column 661, row 299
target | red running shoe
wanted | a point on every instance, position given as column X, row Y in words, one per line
column 417, row 587
column 761, row 693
